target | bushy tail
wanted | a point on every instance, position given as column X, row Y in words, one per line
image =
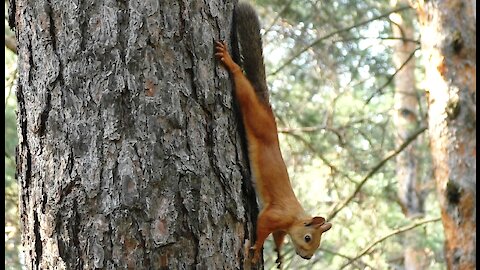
column 248, row 31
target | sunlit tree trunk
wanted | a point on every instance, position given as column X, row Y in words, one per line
column 129, row 154
column 406, row 120
column 448, row 31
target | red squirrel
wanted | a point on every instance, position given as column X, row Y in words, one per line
column 281, row 212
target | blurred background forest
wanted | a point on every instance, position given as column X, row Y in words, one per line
column 333, row 72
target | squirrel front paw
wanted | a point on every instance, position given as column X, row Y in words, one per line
column 223, row 55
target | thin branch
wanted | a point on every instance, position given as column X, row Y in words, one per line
column 8, row 97
column 381, row 38
column 392, row 233
column 313, row 129
column 309, row 146
column 284, row 9
column 401, row 8
column 332, row 167
column 343, row 256
column 390, row 79
column 377, row 167
column 301, row 129
column 9, row 157
column 11, row 44
column 402, row 32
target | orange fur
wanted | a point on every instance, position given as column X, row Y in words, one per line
column 281, row 212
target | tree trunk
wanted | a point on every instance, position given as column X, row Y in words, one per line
column 406, row 121
column 448, row 30
column 129, row 153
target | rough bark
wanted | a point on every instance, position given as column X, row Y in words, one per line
column 129, row 153
column 406, row 121
column 448, row 30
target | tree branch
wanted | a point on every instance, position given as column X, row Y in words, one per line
column 401, row 8
column 377, row 167
column 381, row 38
column 313, row 129
column 363, row 264
column 332, row 167
column 284, row 9
column 390, row 79
column 9, row 157
column 394, row 232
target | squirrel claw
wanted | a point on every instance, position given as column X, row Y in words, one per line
column 256, row 254
column 221, row 45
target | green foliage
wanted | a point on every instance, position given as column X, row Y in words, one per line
column 335, row 122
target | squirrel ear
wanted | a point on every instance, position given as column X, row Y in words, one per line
column 316, row 221
column 325, row 227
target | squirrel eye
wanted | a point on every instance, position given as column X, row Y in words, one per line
column 308, row 238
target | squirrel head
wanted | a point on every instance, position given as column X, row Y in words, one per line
column 306, row 235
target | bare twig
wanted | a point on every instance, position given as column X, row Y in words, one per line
column 390, row 234
column 9, row 157
column 301, row 129
column 359, row 263
column 285, row 8
column 9, row 93
column 312, row 148
column 390, row 78
column 402, row 32
column 377, row 167
column 401, row 8
column 313, row 129
column 381, row 38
